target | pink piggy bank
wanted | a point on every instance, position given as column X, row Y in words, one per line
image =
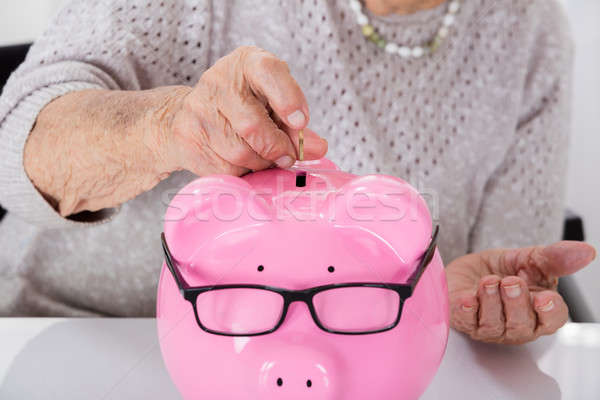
column 305, row 283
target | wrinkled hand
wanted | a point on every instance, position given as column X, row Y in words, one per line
column 509, row 295
column 244, row 114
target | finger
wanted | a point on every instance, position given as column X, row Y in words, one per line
column 270, row 77
column 463, row 311
column 518, row 310
column 251, row 121
column 208, row 155
column 217, row 165
column 541, row 263
column 551, row 310
column 566, row 257
column 491, row 314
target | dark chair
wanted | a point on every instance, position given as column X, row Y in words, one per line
column 579, row 310
column 10, row 58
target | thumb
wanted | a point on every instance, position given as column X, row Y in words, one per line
column 564, row 257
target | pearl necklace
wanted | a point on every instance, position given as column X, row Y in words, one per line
column 406, row 51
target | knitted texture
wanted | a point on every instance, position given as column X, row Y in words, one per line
column 480, row 127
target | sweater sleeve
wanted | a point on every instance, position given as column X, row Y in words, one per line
column 523, row 202
column 125, row 45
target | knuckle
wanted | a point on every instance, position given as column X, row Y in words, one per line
column 240, row 156
column 270, row 64
column 261, row 139
column 518, row 332
column 483, row 337
column 208, row 87
column 463, row 325
column 244, row 51
column 248, row 127
column 515, row 330
column 271, row 149
column 491, row 331
column 491, row 278
column 233, row 62
column 283, row 65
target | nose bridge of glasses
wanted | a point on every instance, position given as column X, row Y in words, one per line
column 298, row 316
column 295, row 311
column 293, row 296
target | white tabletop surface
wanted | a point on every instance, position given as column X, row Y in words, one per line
column 120, row 359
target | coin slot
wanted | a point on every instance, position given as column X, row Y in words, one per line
column 301, row 179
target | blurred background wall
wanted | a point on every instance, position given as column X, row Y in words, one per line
column 23, row 20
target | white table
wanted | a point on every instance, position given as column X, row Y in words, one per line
column 120, row 359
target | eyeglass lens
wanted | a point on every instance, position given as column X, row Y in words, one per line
column 246, row 311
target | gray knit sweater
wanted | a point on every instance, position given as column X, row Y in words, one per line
column 480, row 127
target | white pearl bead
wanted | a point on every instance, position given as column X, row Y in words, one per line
column 417, row 52
column 361, row 19
column 453, row 7
column 404, row 51
column 391, row 48
column 355, row 5
column 443, row 32
column 448, row 19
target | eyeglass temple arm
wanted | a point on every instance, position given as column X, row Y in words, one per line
column 181, row 284
column 425, row 260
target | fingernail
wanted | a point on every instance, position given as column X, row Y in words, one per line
column 512, row 291
column 284, row 162
column 491, row 288
column 296, row 119
column 467, row 308
column 547, row 307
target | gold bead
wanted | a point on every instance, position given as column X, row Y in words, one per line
column 374, row 38
column 367, row 30
column 435, row 44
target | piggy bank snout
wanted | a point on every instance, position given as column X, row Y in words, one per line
column 297, row 372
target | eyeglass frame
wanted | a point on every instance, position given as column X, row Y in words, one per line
column 404, row 291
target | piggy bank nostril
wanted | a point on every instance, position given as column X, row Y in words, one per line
column 309, row 383
column 279, row 382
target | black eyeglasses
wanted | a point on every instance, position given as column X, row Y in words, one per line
column 356, row 308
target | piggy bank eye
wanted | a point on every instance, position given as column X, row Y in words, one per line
column 279, row 381
column 260, row 268
column 309, row 383
column 331, row 268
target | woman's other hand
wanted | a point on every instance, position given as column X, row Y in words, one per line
column 509, row 295
column 244, row 114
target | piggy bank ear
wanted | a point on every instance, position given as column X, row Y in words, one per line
column 208, row 208
column 388, row 208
